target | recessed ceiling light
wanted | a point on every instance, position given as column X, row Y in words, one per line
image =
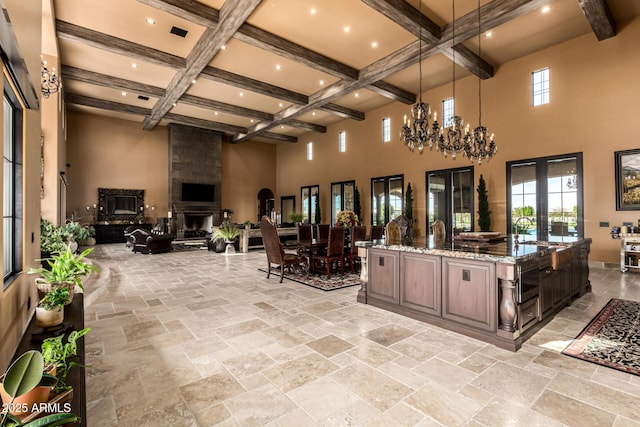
column 241, row 93
column 321, row 82
column 150, row 21
column 280, row 104
column 313, row 113
column 357, row 95
column 546, row 9
column 174, row 104
column 374, row 44
column 215, row 114
column 251, row 120
column 346, row 29
column 278, row 67
column 488, row 34
column 124, row 93
column 281, row 127
column 313, row 11
column 223, row 47
column 193, row 81
column 134, row 65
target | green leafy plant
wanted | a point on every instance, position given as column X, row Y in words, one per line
column 408, row 208
column 295, row 217
column 484, row 214
column 65, row 267
column 247, row 224
column 24, row 374
column 78, row 232
column 52, row 238
column 56, row 298
column 56, row 353
column 227, row 231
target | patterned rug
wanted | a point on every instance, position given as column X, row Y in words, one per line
column 612, row 338
column 337, row 281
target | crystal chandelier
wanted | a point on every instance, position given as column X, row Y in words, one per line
column 415, row 134
column 476, row 145
column 50, row 83
column 455, row 140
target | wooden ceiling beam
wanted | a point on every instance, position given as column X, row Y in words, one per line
column 103, row 104
column 385, row 89
column 232, row 16
column 600, row 18
column 118, row 107
column 86, row 76
column 344, row 112
column 224, row 107
column 493, row 14
column 308, row 126
column 208, row 17
column 118, row 46
column 469, row 61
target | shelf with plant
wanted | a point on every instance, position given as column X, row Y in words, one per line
column 64, row 269
column 50, row 309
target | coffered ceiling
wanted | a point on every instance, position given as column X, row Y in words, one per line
column 272, row 70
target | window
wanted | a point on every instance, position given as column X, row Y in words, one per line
column 309, row 150
column 540, row 87
column 545, row 197
column 12, row 186
column 450, row 199
column 386, row 129
column 342, row 197
column 310, row 203
column 387, row 198
column 342, row 141
column 447, row 112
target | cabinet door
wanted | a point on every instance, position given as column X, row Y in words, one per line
column 469, row 292
column 383, row 275
column 548, row 282
column 420, row 282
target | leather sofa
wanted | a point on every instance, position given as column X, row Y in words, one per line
column 148, row 242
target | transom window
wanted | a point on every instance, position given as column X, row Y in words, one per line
column 342, row 141
column 386, row 129
column 309, row 150
column 540, row 87
column 447, row 112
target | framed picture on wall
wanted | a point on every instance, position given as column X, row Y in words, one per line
column 627, row 167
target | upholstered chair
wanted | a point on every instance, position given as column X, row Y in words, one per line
column 334, row 252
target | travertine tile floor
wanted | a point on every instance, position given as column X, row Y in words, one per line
column 199, row 339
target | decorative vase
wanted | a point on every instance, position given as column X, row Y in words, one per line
column 230, row 249
column 45, row 287
column 47, row 318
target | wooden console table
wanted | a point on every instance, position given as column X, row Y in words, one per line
column 288, row 233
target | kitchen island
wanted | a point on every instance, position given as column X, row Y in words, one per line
column 501, row 293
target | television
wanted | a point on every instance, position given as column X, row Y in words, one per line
column 197, row 192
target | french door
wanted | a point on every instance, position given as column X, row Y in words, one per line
column 450, row 199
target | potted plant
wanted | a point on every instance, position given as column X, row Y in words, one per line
column 82, row 234
column 50, row 309
column 56, row 354
column 228, row 232
column 66, row 269
column 52, row 239
column 25, row 385
column 247, row 225
column 295, row 217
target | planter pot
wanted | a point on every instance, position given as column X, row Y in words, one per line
column 89, row 241
column 230, row 248
column 23, row 404
column 46, row 287
column 47, row 318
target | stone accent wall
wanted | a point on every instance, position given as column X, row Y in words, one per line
column 195, row 156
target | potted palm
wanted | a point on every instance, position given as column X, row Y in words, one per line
column 228, row 232
column 64, row 269
column 50, row 309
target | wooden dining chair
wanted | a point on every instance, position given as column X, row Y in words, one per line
column 322, row 231
column 334, row 252
column 377, row 232
column 274, row 250
column 351, row 253
column 304, row 233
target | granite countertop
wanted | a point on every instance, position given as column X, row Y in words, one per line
column 505, row 251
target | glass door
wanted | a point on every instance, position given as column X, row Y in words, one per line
column 562, row 198
column 342, row 198
column 524, row 199
column 387, row 198
column 450, row 199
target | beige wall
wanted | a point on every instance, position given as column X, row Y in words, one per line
column 246, row 169
column 593, row 109
column 14, row 310
column 113, row 153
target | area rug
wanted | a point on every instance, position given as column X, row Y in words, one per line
column 337, row 281
column 612, row 338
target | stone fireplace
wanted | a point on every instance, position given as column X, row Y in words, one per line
column 195, row 160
